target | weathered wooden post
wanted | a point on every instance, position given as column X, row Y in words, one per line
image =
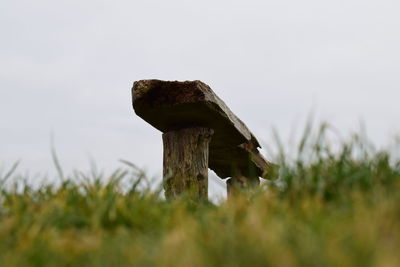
column 186, row 161
column 200, row 132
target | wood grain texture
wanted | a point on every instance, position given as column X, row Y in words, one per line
column 186, row 156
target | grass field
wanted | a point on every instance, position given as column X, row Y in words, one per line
column 334, row 204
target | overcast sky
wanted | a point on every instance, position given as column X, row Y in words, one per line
column 66, row 67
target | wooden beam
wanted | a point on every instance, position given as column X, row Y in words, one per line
column 175, row 105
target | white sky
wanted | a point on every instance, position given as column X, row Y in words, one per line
column 66, row 67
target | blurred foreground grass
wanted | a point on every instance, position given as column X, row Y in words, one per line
column 331, row 206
